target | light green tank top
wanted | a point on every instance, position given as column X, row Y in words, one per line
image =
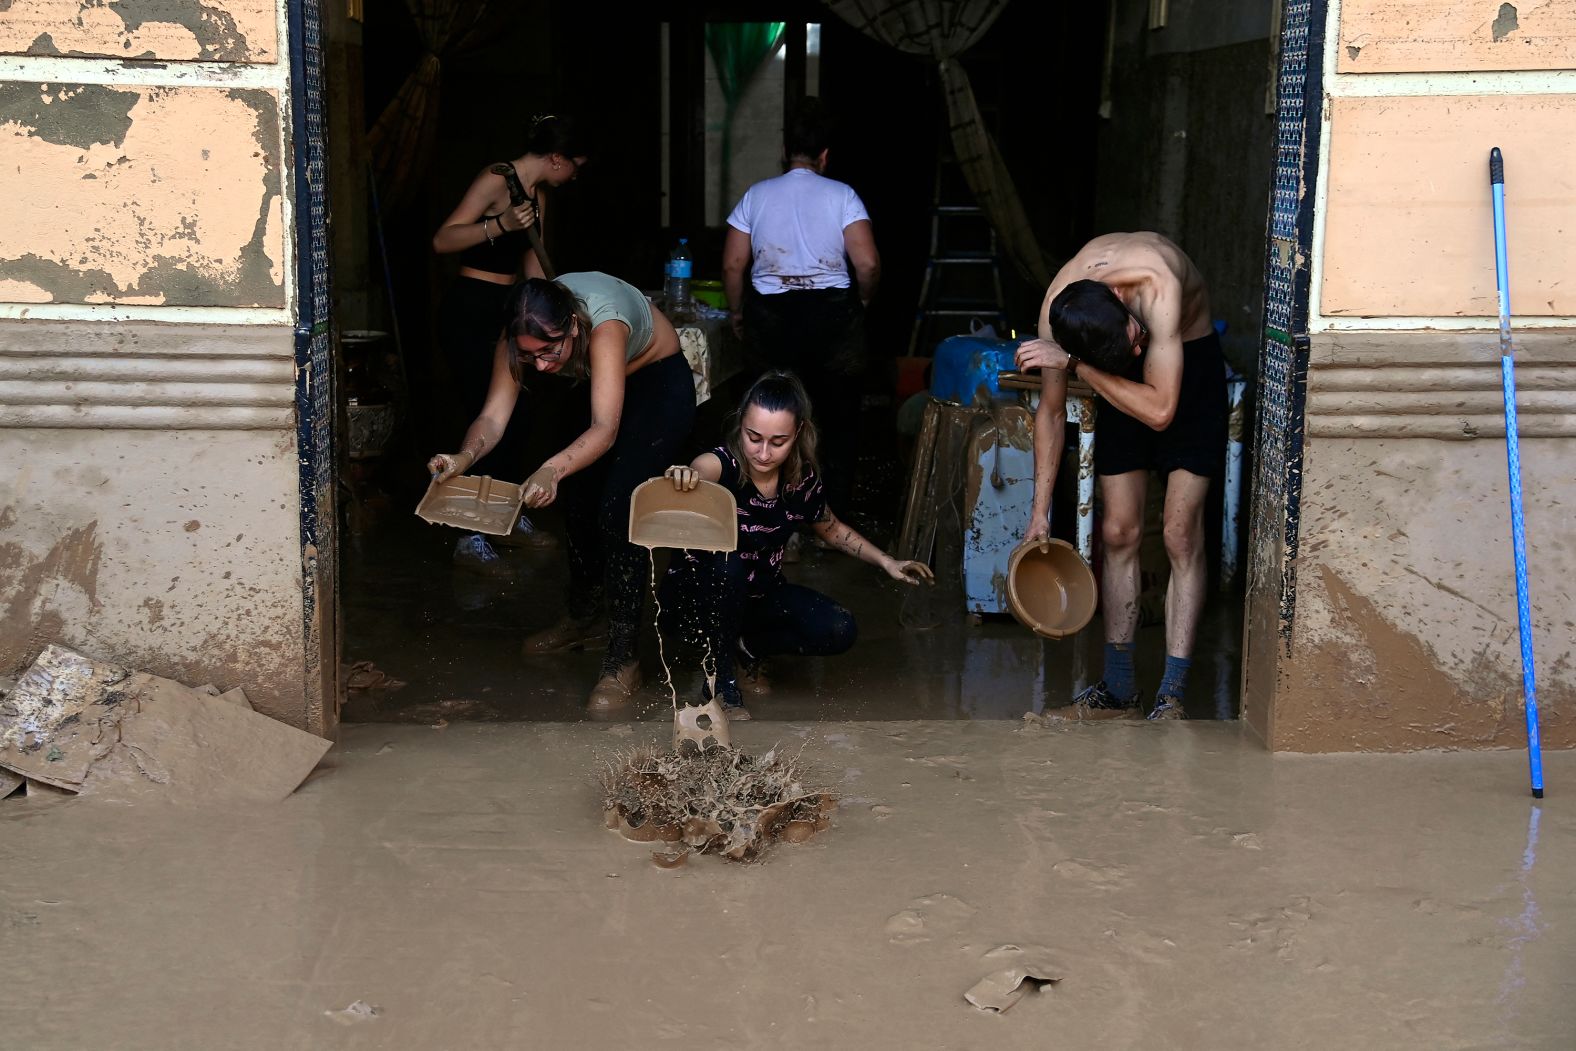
column 606, row 298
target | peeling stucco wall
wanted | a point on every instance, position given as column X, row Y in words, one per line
column 144, row 195
column 1403, row 36
column 163, row 30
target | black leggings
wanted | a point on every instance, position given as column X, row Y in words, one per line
column 659, row 410
column 706, row 604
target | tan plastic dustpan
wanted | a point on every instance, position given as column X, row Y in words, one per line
column 1050, row 588
column 481, row 503
column 703, row 519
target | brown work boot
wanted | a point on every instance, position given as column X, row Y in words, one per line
column 567, row 633
column 615, row 690
column 753, row 681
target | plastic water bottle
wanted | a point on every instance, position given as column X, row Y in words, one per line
column 681, row 266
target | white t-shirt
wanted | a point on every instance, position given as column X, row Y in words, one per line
column 796, row 224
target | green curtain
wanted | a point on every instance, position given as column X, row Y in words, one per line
column 737, row 49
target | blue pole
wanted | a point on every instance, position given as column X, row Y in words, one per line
column 1507, row 368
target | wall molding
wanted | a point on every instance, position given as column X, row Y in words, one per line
column 1439, row 385
column 147, row 376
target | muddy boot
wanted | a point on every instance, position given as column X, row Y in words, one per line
column 1098, row 702
column 529, row 536
column 1167, row 706
column 752, row 675
column 567, row 633
column 474, row 554
column 615, row 690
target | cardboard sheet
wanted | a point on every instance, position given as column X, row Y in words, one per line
column 90, row 727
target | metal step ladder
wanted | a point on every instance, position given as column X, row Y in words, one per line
column 962, row 272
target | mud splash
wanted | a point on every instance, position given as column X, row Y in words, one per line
column 716, row 801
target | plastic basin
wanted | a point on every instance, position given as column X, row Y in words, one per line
column 1050, row 588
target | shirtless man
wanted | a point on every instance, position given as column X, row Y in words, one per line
column 1129, row 315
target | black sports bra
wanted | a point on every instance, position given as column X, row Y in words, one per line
column 502, row 255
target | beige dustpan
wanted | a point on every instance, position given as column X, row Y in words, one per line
column 704, row 519
column 480, row 503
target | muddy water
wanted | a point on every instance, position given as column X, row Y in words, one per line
column 1195, row 892
column 453, row 636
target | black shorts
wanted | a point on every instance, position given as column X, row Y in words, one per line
column 1196, row 440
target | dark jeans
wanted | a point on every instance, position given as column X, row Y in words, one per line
column 469, row 323
column 708, row 609
column 819, row 334
column 659, row 409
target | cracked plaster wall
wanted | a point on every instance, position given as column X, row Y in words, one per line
column 162, row 30
column 146, row 195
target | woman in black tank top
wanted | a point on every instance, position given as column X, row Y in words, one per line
column 496, row 232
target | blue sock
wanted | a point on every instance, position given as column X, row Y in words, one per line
column 1174, row 682
column 1119, row 669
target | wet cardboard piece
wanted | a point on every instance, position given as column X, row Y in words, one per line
column 53, row 724
column 999, row 991
column 91, row 727
column 481, row 503
column 704, row 519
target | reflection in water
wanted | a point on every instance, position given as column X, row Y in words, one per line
column 1525, row 927
column 919, row 656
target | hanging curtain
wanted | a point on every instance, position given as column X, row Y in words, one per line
column 400, row 142
column 941, row 30
column 737, row 49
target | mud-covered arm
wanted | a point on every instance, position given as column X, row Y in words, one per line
column 845, row 538
column 608, row 360
column 1153, row 400
column 488, row 427
column 1050, row 436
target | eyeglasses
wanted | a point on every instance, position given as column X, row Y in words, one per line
column 552, row 352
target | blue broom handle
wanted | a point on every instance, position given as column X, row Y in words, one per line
column 1507, row 369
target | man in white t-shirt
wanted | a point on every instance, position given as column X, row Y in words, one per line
column 811, row 255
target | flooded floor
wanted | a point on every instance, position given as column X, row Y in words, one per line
column 454, row 637
column 1191, row 890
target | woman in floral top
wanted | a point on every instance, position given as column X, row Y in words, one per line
column 741, row 603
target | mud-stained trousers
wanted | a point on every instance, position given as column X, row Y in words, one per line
column 659, row 410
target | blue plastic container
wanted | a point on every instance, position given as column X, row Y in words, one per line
column 964, row 364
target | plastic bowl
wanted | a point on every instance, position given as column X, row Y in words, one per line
column 1050, row 588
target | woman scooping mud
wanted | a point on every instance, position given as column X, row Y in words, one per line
column 641, row 407
column 739, row 606
column 496, row 231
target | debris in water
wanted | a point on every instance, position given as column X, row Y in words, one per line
column 717, row 801
column 999, row 991
column 670, row 859
column 364, row 675
column 360, row 1011
column 82, row 725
